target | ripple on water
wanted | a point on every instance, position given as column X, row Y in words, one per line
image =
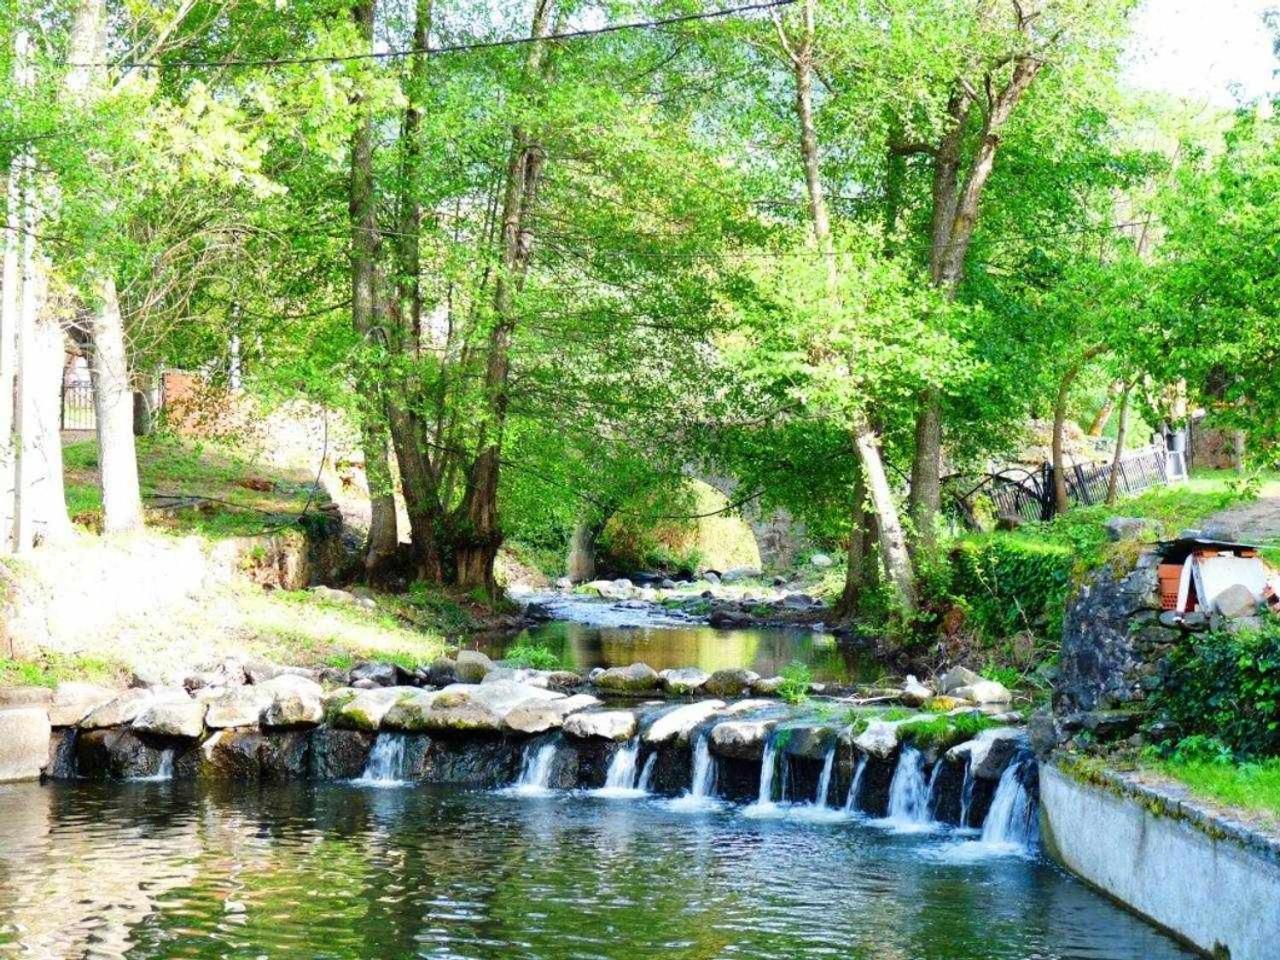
column 338, row 871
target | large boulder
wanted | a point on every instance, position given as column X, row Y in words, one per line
column 1236, row 601
column 296, row 701
column 682, row 681
column 118, row 711
column 409, row 713
column 990, row 752
column 539, row 716
column 637, row 678
column 365, row 710
column 374, row 672
column 879, row 740
column 677, row 724
column 810, row 742
column 605, row 724
column 471, row 666
column 915, row 693
column 172, row 718
column 24, row 733
column 237, row 707
column 741, row 739
column 738, row 574
column 74, row 701
column 983, row 691
column 504, row 695
column 957, row 677
column 733, row 682
column 442, row 672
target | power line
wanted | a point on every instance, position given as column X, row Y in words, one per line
column 443, row 49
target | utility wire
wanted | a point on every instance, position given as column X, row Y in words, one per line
column 443, row 49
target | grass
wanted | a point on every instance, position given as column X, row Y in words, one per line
column 51, row 669
column 241, row 499
column 535, row 656
column 1248, row 786
column 945, row 731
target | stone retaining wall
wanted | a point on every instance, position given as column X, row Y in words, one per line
column 1212, row 882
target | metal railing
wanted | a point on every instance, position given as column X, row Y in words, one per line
column 78, row 412
column 1028, row 494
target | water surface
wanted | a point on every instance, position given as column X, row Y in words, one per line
column 172, row 870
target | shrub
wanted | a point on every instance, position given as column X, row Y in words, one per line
column 945, row 731
column 535, row 656
column 1007, row 584
column 796, row 678
column 1226, row 686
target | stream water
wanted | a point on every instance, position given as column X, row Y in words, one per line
column 169, row 870
column 582, row 646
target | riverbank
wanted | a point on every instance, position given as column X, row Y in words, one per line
column 1205, row 876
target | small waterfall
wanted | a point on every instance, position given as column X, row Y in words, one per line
column 646, row 774
column 855, row 788
column 704, row 769
column 824, row 779
column 535, row 769
column 1011, row 821
column 932, row 797
column 386, row 763
column 768, row 769
column 702, row 789
column 909, row 792
column 966, row 793
column 164, row 769
column 620, row 780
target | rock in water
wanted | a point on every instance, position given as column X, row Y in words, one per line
column 607, row 725
column 540, row 716
column 72, row 702
column 637, row 678
column 683, row 680
column 238, row 707
column 733, row 682
column 741, row 739
column 957, row 677
column 915, row 693
column 471, row 666
column 678, row 723
column 984, row 691
column 879, row 740
column 172, row 719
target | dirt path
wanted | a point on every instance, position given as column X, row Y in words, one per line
column 1256, row 522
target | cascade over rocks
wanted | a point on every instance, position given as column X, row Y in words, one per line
column 990, row 752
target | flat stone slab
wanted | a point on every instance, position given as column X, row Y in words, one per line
column 237, row 707
column 539, row 716
column 73, row 701
column 24, row 741
column 678, row 723
column 172, row 718
column 741, row 739
column 366, row 709
column 605, row 724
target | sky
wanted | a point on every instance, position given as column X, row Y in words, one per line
column 1211, row 51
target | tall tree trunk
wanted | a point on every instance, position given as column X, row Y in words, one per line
column 10, row 281
column 954, row 217
column 108, row 355
column 580, row 565
column 1061, row 502
column 113, row 404
column 476, row 526
column 1122, row 428
column 384, row 538
column 866, row 442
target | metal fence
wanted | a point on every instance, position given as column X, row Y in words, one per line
column 77, row 407
column 1029, row 493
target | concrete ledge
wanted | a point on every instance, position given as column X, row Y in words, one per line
column 24, row 741
column 1212, row 882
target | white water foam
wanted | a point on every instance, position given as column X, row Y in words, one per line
column 385, row 766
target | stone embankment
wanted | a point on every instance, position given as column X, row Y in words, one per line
column 471, row 721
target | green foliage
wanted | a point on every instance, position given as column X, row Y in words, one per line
column 1007, row 584
column 796, row 677
column 941, row 732
column 437, row 608
column 50, row 669
column 1226, row 686
column 1247, row 786
column 535, row 656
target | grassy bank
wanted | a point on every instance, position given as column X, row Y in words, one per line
column 1251, row 787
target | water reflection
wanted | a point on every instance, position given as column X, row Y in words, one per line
column 173, row 871
column 766, row 651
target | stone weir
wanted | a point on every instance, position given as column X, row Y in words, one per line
column 515, row 728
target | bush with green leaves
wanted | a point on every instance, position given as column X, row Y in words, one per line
column 1226, row 686
column 1007, row 584
column 535, row 656
column 796, row 677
